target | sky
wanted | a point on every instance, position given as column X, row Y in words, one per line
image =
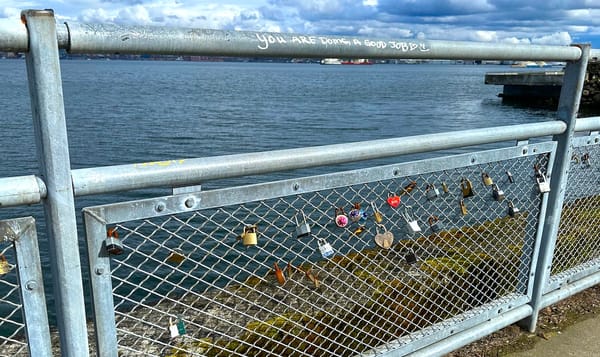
column 547, row 22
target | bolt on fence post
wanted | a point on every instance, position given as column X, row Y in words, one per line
column 45, row 88
column 568, row 107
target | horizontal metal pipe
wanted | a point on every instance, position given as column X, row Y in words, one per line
column 21, row 190
column 108, row 38
column 587, row 124
column 475, row 333
column 195, row 171
column 570, row 289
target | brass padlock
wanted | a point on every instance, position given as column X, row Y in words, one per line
column 411, row 221
column 249, row 236
column 341, row 220
column 112, row 243
column 463, row 207
column 466, row 187
column 434, row 223
column 377, row 216
column 5, row 267
column 497, row 193
column 512, row 210
column 408, row 188
column 302, row 229
column 445, row 187
column 487, row 180
column 325, row 248
column 431, row 192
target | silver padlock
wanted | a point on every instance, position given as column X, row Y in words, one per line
column 585, row 159
column 497, row 193
column 411, row 221
column 112, row 243
column 434, row 223
column 302, row 229
column 325, row 248
column 543, row 184
column 431, row 192
column 512, row 210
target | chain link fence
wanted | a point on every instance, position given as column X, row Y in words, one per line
column 340, row 269
column 578, row 244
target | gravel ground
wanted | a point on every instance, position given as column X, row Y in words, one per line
column 552, row 321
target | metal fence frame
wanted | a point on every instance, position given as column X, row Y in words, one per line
column 22, row 235
column 57, row 185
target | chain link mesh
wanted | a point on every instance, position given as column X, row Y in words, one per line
column 578, row 242
column 12, row 328
column 187, row 284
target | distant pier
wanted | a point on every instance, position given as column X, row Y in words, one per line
column 542, row 88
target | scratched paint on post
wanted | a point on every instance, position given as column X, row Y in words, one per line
column 267, row 39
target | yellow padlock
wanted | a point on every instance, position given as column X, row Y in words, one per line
column 249, row 237
column 4, row 266
column 487, row 180
column 463, row 208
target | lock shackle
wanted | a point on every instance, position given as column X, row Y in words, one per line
column 495, row 187
column 339, row 211
column 433, row 219
column 408, row 213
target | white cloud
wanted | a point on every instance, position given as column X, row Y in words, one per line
column 557, row 38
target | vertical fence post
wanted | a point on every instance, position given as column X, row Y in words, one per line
column 45, row 87
column 568, row 106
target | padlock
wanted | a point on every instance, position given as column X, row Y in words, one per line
column 431, row 192
column 302, row 229
column 249, row 236
column 325, row 248
column 410, row 257
column 575, row 159
column 377, row 216
column 358, row 230
column 512, row 210
column 341, row 220
column 411, row 221
column 434, row 223
column 5, row 267
column 394, row 201
column 497, row 193
column 487, row 180
column 279, row 274
column 585, row 159
column 445, row 187
column 466, row 187
column 176, row 329
column 408, row 188
column 463, row 207
column 511, row 179
column 384, row 240
column 543, row 184
column 112, row 243
column 356, row 213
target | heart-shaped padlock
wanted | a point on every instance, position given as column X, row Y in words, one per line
column 385, row 239
column 394, row 201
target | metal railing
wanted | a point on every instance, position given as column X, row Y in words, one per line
column 271, row 268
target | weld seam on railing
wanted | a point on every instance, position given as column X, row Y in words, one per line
column 175, row 173
column 587, row 124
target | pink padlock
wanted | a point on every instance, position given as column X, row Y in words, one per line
column 341, row 220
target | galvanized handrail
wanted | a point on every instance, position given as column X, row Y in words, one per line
column 108, row 38
column 23, row 190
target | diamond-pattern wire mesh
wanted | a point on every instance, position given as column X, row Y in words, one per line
column 186, row 285
column 12, row 328
column 578, row 241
